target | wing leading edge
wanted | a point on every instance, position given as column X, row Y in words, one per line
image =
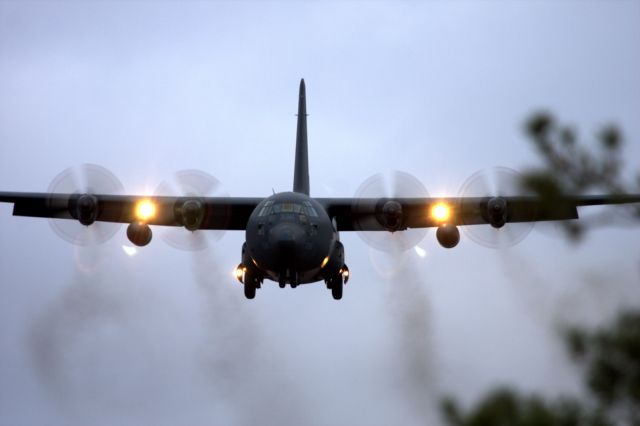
column 219, row 213
column 368, row 214
column 349, row 214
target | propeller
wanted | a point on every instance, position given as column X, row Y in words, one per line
column 83, row 182
column 495, row 183
column 196, row 184
column 387, row 213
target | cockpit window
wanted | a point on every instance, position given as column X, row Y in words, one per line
column 266, row 209
column 287, row 208
column 301, row 209
column 308, row 208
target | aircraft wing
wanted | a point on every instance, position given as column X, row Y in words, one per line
column 350, row 214
column 221, row 213
column 369, row 214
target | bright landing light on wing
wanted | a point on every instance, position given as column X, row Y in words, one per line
column 145, row 210
column 440, row 212
column 420, row 251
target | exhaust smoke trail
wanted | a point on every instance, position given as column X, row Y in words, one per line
column 97, row 352
column 588, row 300
column 241, row 364
column 593, row 296
column 412, row 318
column 113, row 349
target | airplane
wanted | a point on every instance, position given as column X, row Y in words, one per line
column 291, row 237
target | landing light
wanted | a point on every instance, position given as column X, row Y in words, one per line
column 345, row 273
column 145, row 210
column 239, row 272
column 324, row 262
column 440, row 212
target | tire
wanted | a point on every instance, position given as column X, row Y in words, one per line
column 336, row 287
column 249, row 291
column 249, row 286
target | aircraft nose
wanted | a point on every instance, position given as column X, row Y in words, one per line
column 287, row 237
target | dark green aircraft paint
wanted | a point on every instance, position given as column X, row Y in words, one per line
column 301, row 174
column 289, row 237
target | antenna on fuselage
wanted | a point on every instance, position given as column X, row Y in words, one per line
column 301, row 168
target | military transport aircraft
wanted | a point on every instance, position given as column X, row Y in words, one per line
column 291, row 237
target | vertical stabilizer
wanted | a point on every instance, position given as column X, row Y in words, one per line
column 301, row 173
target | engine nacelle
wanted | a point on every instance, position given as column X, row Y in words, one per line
column 192, row 214
column 497, row 212
column 86, row 209
column 448, row 236
column 392, row 215
column 139, row 233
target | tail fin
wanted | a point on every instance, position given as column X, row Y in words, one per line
column 301, row 170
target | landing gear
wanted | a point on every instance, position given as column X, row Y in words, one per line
column 250, row 285
column 337, row 280
column 250, row 278
column 248, row 275
column 336, row 285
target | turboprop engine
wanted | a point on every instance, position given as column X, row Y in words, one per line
column 192, row 213
column 497, row 212
column 392, row 215
column 86, row 209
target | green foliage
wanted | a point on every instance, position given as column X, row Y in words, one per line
column 506, row 407
column 611, row 361
column 570, row 168
column 571, row 165
column 609, row 357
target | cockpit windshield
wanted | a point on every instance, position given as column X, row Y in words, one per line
column 305, row 209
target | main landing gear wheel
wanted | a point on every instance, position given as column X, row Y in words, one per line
column 249, row 291
column 337, row 285
column 249, row 285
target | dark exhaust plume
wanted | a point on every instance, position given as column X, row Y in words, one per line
column 91, row 345
column 242, row 365
column 115, row 349
column 412, row 321
column 592, row 296
column 558, row 304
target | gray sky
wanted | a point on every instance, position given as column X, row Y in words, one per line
column 437, row 89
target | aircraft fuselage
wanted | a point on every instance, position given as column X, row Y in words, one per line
column 290, row 239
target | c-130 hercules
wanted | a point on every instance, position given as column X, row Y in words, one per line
column 291, row 237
